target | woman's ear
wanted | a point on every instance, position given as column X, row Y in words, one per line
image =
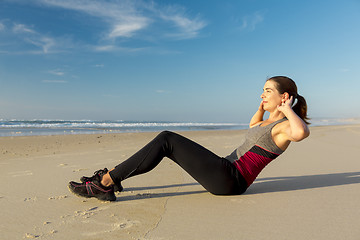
column 286, row 96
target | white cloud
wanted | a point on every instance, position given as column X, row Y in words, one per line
column 54, row 81
column 126, row 29
column 115, row 48
column 105, row 48
column 160, row 91
column 127, row 17
column 57, row 72
column 22, row 28
column 122, row 16
column 45, row 43
column 187, row 28
column 28, row 35
column 2, row 26
column 124, row 19
column 251, row 21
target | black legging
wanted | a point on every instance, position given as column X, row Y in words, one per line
column 217, row 175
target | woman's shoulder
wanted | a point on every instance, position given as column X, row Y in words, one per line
column 255, row 124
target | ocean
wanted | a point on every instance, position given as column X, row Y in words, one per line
column 16, row 127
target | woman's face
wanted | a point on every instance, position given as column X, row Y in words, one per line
column 271, row 97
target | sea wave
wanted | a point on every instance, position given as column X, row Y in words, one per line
column 16, row 127
column 101, row 124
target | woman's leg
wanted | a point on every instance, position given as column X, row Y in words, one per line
column 215, row 174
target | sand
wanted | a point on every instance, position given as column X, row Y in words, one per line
column 312, row 191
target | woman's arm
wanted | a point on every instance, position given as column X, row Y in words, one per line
column 298, row 128
column 258, row 116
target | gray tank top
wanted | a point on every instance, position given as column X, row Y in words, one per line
column 257, row 136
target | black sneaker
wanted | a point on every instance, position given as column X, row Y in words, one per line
column 93, row 189
column 98, row 175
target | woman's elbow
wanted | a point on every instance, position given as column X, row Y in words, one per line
column 301, row 135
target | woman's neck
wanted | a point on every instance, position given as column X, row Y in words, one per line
column 276, row 115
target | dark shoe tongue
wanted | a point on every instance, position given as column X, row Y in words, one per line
column 96, row 175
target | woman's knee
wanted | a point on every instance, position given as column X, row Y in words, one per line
column 165, row 134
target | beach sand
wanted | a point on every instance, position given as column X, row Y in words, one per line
column 312, row 191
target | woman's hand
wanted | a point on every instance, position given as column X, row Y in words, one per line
column 298, row 129
column 285, row 105
column 261, row 107
column 258, row 116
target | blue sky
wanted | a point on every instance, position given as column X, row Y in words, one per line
column 174, row 60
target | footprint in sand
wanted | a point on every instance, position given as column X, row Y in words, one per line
column 35, row 236
column 110, row 227
column 30, row 199
column 58, row 197
column 80, row 169
column 89, row 217
column 31, row 236
column 65, row 165
column 87, row 213
column 21, row 173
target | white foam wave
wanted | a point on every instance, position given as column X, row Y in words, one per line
column 102, row 124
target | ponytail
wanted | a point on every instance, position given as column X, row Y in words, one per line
column 300, row 108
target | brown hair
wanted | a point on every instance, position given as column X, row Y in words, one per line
column 285, row 84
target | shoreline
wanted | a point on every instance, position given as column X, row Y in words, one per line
column 61, row 132
column 36, row 145
column 66, row 127
column 12, row 128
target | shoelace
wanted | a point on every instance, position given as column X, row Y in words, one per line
column 97, row 173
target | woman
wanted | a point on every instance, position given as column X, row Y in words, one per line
column 265, row 140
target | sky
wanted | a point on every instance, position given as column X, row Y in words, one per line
column 202, row 61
